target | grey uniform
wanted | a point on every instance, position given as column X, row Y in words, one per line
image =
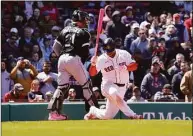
column 72, row 46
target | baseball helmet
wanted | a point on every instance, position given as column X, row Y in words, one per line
column 109, row 45
column 80, row 16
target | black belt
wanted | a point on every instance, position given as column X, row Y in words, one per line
column 120, row 85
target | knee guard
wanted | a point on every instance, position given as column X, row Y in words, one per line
column 90, row 99
column 55, row 103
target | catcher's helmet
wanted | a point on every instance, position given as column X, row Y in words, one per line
column 109, row 45
column 80, row 16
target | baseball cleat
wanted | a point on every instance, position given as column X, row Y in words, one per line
column 136, row 117
column 54, row 116
column 89, row 116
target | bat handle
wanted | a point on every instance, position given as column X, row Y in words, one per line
column 96, row 49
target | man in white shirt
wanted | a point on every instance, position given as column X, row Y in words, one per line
column 6, row 82
column 48, row 80
column 114, row 65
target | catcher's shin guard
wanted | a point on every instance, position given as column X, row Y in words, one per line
column 55, row 103
column 90, row 98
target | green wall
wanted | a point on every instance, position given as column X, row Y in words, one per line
column 75, row 111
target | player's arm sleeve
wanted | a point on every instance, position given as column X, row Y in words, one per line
column 131, row 64
column 57, row 47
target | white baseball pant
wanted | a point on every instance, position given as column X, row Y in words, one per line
column 115, row 102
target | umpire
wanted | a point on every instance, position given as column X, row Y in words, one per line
column 72, row 45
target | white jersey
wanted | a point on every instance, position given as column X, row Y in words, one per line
column 114, row 69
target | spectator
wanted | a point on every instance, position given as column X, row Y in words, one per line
column 148, row 20
column 182, row 32
column 35, row 95
column 114, row 28
column 170, row 33
column 177, row 79
column 186, row 84
column 48, row 96
column 35, row 61
column 92, row 23
column 6, row 82
column 131, row 36
column 166, row 94
column 15, row 95
column 97, row 93
column 126, row 20
column 162, row 23
column 51, row 9
column 54, row 62
column 36, row 49
column 46, row 47
column 176, row 67
column 11, row 47
column 150, row 52
column 136, row 96
column 188, row 24
column 28, row 9
column 11, row 63
column 71, row 95
column 141, row 43
column 153, row 82
column 161, row 50
column 108, row 15
column 48, row 79
column 26, row 43
column 54, row 33
column 152, row 33
column 15, row 32
column 46, row 23
column 36, row 15
column 37, row 35
column 24, row 76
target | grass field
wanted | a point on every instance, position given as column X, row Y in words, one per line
column 99, row 128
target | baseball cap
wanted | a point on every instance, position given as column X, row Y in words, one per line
column 155, row 61
column 135, row 25
column 129, row 8
column 55, row 28
column 18, row 87
column 95, row 89
column 167, row 86
column 151, row 31
column 20, row 58
column 146, row 23
column 71, row 90
column 45, row 13
column 14, row 30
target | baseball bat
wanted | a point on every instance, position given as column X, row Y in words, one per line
column 99, row 28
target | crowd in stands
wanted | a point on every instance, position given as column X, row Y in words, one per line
column 162, row 45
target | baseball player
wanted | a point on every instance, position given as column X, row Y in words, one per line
column 72, row 47
column 114, row 65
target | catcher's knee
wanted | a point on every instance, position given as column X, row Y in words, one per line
column 58, row 98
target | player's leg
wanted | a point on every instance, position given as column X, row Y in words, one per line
column 55, row 104
column 122, row 105
column 108, row 113
column 78, row 71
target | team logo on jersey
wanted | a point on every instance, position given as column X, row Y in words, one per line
column 108, row 69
